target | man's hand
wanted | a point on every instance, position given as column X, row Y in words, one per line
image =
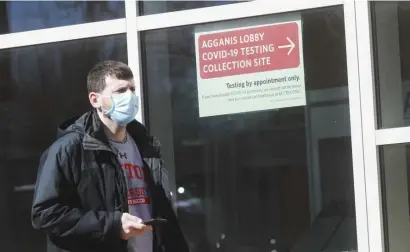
column 132, row 226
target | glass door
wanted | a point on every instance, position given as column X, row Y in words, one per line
column 246, row 173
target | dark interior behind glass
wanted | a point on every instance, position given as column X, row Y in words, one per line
column 40, row 87
column 391, row 54
column 20, row 16
column 275, row 180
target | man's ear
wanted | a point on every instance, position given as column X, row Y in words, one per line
column 94, row 101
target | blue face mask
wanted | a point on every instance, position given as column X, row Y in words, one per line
column 124, row 108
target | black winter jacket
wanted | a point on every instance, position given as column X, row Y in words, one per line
column 81, row 191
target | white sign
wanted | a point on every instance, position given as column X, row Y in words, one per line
column 251, row 68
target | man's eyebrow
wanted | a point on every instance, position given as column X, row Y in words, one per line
column 122, row 86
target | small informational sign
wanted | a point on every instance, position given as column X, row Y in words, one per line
column 250, row 68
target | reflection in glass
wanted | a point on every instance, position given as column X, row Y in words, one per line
column 147, row 7
column 391, row 23
column 262, row 181
column 19, row 16
column 40, row 86
column 395, row 168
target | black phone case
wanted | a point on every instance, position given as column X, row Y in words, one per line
column 155, row 222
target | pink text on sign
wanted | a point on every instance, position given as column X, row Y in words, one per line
column 251, row 50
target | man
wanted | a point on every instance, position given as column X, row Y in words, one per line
column 102, row 178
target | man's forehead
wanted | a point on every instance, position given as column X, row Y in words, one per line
column 115, row 83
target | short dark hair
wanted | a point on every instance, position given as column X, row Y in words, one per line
column 96, row 77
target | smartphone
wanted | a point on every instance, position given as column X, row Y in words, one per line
column 155, row 222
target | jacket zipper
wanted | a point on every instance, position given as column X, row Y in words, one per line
column 123, row 183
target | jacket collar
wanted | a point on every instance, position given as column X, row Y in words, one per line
column 95, row 138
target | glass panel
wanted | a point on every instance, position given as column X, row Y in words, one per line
column 148, row 7
column 395, row 168
column 40, row 86
column 269, row 180
column 19, row 16
column 391, row 23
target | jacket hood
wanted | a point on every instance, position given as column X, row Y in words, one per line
column 67, row 126
column 91, row 127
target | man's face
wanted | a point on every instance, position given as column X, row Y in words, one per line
column 113, row 86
